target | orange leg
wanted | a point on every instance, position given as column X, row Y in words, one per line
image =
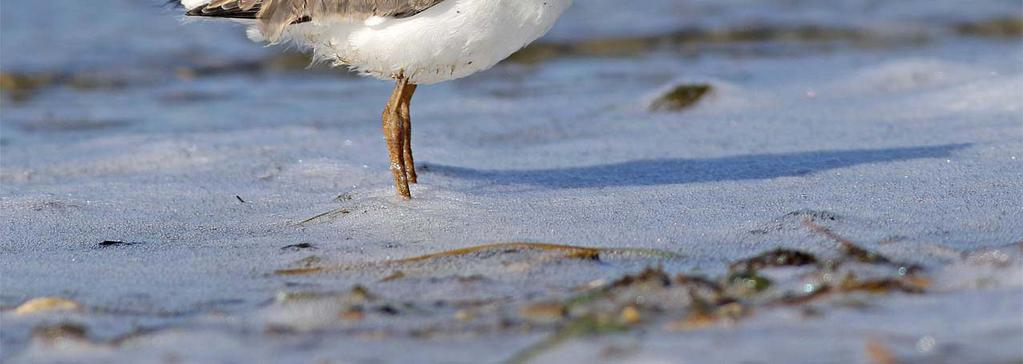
column 394, row 133
column 410, row 164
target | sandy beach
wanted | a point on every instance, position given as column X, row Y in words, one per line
column 681, row 182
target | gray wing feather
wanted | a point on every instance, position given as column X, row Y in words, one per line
column 275, row 15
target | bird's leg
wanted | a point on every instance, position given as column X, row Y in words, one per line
column 406, row 102
column 394, row 133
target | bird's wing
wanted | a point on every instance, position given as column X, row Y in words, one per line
column 275, row 15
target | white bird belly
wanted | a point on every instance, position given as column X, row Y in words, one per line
column 453, row 39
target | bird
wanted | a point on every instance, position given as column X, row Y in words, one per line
column 410, row 42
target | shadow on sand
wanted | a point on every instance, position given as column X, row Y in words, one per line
column 650, row 172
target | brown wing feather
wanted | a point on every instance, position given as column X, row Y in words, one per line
column 275, row 15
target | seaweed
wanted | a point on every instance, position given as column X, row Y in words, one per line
column 572, row 252
column 779, row 257
column 60, row 331
column 649, row 296
column 649, row 274
column 113, row 243
column 748, row 281
column 879, row 353
column 588, row 325
column 565, row 251
column 852, row 251
column 703, row 313
column 23, row 86
column 680, row 97
column 299, row 246
column 615, row 307
column 329, row 214
column 1000, row 27
column 46, row 304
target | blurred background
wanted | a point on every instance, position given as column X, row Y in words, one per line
column 136, row 63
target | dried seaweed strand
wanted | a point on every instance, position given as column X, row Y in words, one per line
column 845, row 243
column 331, row 213
column 570, row 252
column 852, row 250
